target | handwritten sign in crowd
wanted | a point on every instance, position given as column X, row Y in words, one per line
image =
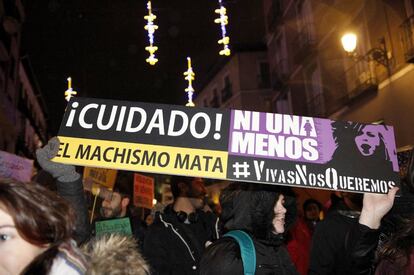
column 15, row 167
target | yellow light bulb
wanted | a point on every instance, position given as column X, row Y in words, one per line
column 151, row 49
column 150, row 17
column 224, row 40
column 151, row 60
column 225, row 52
column 221, row 10
column 69, row 79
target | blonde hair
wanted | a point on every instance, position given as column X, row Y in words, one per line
column 115, row 254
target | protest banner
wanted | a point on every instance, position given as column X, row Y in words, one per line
column 15, row 167
column 101, row 176
column 143, row 191
column 231, row 145
column 119, row 226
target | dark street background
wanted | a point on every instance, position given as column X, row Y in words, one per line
column 100, row 44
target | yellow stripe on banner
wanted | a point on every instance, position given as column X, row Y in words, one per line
column 142, row 157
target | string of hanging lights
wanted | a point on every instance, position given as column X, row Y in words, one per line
column 189, row 76
column 69, row 93
column 223, row 20
column 151, row 27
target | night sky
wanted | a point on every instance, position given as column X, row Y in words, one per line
column 100, row 44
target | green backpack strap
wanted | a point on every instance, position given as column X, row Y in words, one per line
column 247, row 250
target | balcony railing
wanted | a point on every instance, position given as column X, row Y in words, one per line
column 407, row 38
column 361, row 79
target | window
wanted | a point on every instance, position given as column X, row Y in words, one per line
column 227, row 92
column 282, row 103
column 314, row 91
column 264, row 75
column 304, row 23
column 274, row 14
column 215, row 101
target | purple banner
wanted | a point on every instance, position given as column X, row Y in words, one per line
column 312, row 152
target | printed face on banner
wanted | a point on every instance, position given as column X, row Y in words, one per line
column 368, row 140
column 229, row 145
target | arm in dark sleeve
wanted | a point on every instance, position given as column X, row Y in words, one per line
column 138, row 230
column 155, row 252
column 325, row 246
column 73, row 193
column 361, row 243
column 69, row 186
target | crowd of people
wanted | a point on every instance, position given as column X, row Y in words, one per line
column 258, row 231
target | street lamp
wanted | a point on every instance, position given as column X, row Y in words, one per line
column 377, row 54
column 349, row 42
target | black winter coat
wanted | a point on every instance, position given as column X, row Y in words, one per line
column 250, row 208
column 225, row 253
column 173, row 247
column 342, row 246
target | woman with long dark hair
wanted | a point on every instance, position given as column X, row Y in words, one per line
column 36, row 229
column 397, row 255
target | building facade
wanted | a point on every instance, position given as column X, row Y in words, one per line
column 23, row 122
column 313, row 75
column 243, row 82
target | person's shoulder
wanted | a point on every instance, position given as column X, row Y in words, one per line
column 224, row 248
column 209, row 219
column 333, row 226
column 161, row 223
column 156, row 227
column 207, row 214
column 222, row 257
column 69, row 260
column 335, row 217
column 137, row 222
